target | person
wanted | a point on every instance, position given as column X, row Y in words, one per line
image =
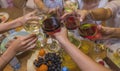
column 108, row 32
column 83, row 61
column 46, row 4
column 21, row 43
column 109, row 12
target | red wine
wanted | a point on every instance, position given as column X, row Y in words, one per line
column 71, row 22
column 88, row 30
column 51, row 25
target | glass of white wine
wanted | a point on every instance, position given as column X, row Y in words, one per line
column 70, row 5
column 32, row 26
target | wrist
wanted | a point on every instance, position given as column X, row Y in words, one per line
column 63, row 40
column 11, row 50
column 21, row 21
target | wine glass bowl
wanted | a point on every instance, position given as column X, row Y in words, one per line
column 88, row 30
column 32, row 26
column 71, row 22
column 51, row 25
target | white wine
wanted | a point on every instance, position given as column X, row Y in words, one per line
column 70, row 5
column 32, row 26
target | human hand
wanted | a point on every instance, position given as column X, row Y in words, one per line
column 23, row 43
column 62, row 35
column 28, row 16
column 82, row 14
column 106, row 32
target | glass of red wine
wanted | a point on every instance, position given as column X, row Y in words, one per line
column 71, row 22
column 51, row 25
column 89, row 31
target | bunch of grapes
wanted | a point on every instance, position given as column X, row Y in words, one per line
column 52, row 60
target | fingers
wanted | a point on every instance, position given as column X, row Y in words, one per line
column 32, row 13
column 29, row 36
column 30, row 47
column 29, row 43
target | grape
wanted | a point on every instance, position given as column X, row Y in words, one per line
column 52, row 60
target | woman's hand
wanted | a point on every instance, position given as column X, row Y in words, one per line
column 106, row 32
column 82, row 14
column 26, row 17
column 23, row 43
column 62, row 35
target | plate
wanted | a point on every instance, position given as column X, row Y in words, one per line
column 10, row 37
column 3, row 17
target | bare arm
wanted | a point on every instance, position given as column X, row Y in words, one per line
column 20, row 44
column 17, row 22
column 82, row 60
column 108, row 32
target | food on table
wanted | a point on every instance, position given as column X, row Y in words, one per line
column 42, row 52
column 43, row 67
column 101, row 62
column 75, row 41
column 49, row 62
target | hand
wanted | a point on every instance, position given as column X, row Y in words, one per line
column 106, row 32
column 62, row 35
column 82, row 14
column 26, row 17
column 23, row 43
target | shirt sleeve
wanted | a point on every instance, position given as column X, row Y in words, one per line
column 114, row 5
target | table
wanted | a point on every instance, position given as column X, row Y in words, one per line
column 25, row 56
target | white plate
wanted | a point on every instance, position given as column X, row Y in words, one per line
column 4, row 17
column 10, row 37
column 30, row 65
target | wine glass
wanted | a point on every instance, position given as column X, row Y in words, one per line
column 71, row 22
column 32, row 26
column 50, row 26
column 88, row 31
column 70, row 5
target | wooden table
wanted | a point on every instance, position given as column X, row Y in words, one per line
column 25, row 56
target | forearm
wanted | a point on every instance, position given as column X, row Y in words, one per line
column 112, row 32
column 82, row 60
column 116, row 32
column 11, row 25
column 100, row 14
column 5, row 58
